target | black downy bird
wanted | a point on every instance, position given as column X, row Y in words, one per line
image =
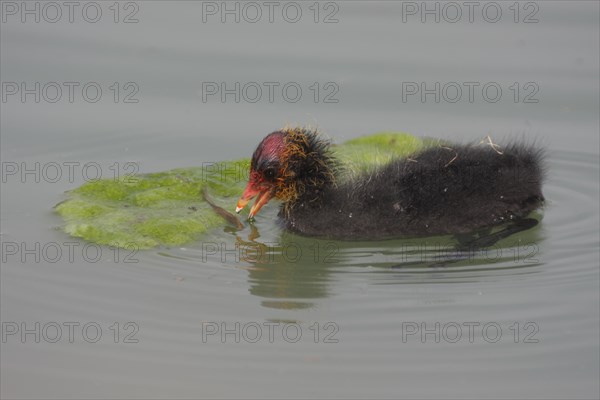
column 445, row 189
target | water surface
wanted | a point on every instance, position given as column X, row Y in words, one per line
column 302, row 317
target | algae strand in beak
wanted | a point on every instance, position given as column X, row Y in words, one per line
column 229, row 217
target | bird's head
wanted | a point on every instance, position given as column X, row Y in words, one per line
column 287, row 164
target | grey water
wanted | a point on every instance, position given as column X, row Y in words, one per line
column 261, row 313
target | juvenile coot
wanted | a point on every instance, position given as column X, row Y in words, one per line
column 444, row 189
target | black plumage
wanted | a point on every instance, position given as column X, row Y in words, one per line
column 446, row 189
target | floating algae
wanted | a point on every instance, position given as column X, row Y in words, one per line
column 168, row 208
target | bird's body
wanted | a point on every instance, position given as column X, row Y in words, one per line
column 446, row 189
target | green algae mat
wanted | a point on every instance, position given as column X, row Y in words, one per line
column 169, row 209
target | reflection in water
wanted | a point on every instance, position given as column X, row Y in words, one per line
column 288, row 271
column 291, row 270
column 484, row 247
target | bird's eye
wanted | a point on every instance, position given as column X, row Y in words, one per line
column 269, row 173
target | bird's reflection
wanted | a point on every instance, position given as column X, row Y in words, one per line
column 288, row 272
column 291, row 272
